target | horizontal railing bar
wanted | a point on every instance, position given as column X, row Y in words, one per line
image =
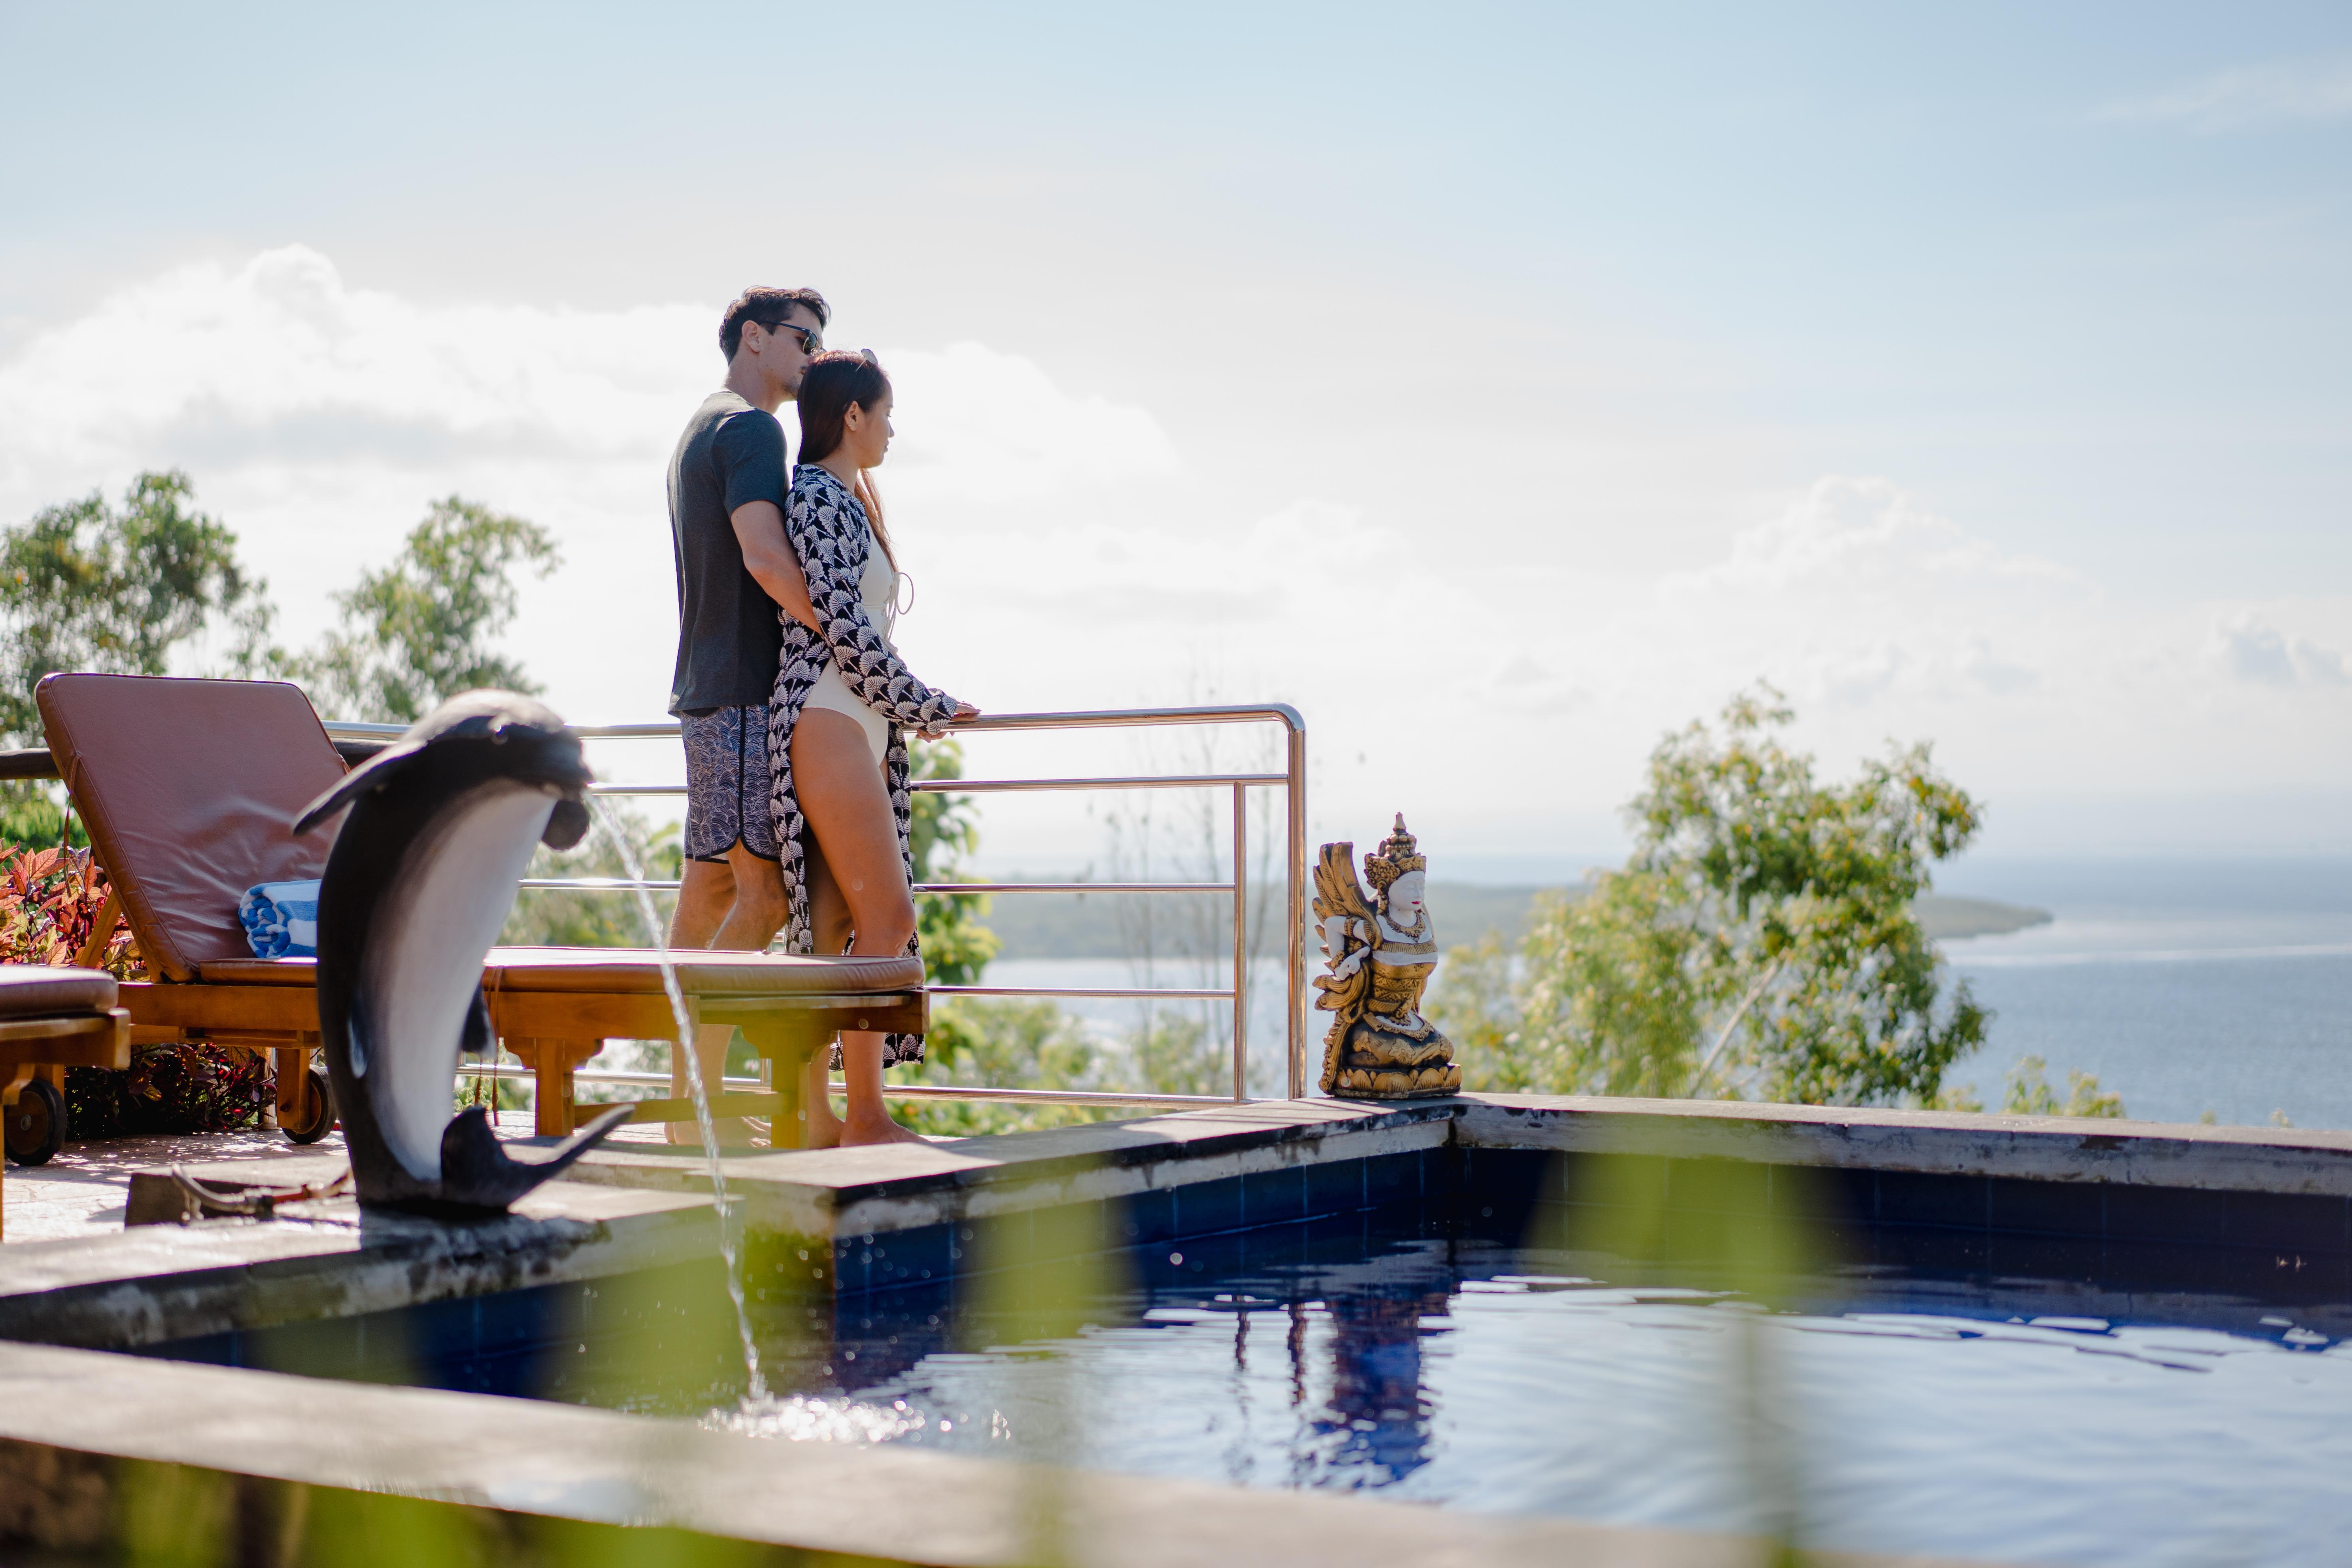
column 894, row 1091
column 654, row 885
column 1271, row 713
column 1082, row 992
column 1043, row 1096
column 964, row 786
column 645, row 1079
column 1149, row 780
column 1074, row 887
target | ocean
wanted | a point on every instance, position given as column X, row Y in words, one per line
column 2186, row 986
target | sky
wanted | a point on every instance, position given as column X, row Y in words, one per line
column 1504, row 387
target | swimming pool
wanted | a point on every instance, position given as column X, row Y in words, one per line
column 1720, row 1362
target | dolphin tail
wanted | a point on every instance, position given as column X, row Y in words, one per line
column 476, row 1172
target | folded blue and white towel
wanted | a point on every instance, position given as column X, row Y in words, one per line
column 281, row 919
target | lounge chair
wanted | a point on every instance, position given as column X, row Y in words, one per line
column 51, row 1019
column 188, row 789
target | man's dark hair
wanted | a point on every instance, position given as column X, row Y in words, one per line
column 768, row 307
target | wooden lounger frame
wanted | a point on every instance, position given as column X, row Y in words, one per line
column 554, row 1032
column 44, row 1048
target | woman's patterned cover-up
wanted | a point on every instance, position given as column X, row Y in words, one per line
column 827, row 527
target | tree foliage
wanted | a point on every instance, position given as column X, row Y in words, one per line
column 420, row 630
column 2030, row 1093
column 120, row 589
column 945, row 832
column 1759, row 942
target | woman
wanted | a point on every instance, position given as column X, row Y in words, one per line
column 835, row 746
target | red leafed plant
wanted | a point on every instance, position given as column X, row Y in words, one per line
column 50, row 901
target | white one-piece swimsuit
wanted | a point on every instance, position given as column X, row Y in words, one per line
column 879, row 589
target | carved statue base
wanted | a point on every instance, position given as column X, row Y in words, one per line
column 1376, row 1065
column 1378, row 953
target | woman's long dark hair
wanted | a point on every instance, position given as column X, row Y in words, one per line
column 833, row 381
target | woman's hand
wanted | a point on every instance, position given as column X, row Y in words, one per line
column 963, row 710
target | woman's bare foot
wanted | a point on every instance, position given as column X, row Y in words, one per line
column 877, row 1129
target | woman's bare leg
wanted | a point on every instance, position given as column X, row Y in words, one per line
column 830, row 927
column 843, row 798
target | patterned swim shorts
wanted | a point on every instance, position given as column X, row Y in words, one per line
column 727, row 782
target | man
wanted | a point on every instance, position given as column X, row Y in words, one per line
column 735, row 568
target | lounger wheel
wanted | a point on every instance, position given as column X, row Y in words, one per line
column 36, row 1123
column 318, row 1113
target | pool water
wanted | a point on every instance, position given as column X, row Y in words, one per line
column 1943, row 1418
column 1913, row 1401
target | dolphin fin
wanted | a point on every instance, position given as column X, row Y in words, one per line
column 476, row 1172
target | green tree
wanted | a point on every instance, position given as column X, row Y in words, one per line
column 120, row 589
column 944, row 832
column 420, row 630
column 2030, row 1093
column 1759, row 940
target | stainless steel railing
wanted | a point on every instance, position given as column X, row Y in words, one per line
column 1292, row 781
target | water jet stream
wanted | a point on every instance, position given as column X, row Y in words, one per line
column 658, row 940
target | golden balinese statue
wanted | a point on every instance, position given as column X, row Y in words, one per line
column 1378, row 954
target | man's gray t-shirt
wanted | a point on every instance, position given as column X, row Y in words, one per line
column 727, row 635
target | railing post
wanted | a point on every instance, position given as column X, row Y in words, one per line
column 1294, row 937
column 1241, row 942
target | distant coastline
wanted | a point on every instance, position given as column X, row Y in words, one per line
column 1094, row 925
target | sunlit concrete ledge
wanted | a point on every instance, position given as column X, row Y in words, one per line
column 156, row 1283
column 904, row 1186
column 2031, row 1148
column 69, row 1418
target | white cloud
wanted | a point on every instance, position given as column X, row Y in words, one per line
column 2246, row 649
column 1855, row 593
column 1491, row 671
column 319, row 417
column 2284, row 93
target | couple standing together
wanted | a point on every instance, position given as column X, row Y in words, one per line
column 794, row 704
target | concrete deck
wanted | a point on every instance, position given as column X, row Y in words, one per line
column 68, row 1418
column 83, row 1190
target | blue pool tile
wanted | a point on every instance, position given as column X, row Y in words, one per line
column 1812, row 1193
column 2030, row 1256
column 1203, row 1208
column 1391, row 1179
column 912, row 1257
column 1335, row 1186
column 1916, row 1199
column 2305, row 1222
column 2167, row 1213
column 1929, row 1249
column 1275, row 1198
column 2046, row 1208
column 1148, row 1217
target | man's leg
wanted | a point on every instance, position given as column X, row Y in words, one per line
column 736, row 903
column 751, row 920
column 706, row 894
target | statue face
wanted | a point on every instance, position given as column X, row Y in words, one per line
column 1405, row 896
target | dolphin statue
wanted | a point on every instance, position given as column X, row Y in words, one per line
column 421, row 878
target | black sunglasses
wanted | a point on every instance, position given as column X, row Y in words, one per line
column 812, row 339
